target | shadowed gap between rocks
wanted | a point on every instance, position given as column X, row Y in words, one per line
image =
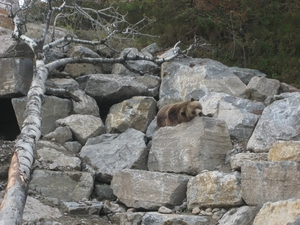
column 9, row 128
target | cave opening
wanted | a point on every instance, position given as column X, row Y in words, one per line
column 9, row 128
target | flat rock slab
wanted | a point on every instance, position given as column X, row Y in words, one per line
column 65, row 186
column 155, row 218
column 149, row 190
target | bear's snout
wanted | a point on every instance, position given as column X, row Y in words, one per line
column 200, row 114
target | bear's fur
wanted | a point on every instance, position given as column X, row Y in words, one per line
column 173, row 114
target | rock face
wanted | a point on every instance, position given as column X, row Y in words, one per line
column 188, row 147
column 16, row 76
column 65, row 186
column 214, row 189
column 110, row 153
column 136, row 113
column 54, row 108
column 149, row 190
column 269, row 181
column 184, row 79
column 279, row 121
column 281, row 212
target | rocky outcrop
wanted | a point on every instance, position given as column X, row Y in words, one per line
column 136, row 173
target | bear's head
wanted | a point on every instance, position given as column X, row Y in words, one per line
column 193, row 109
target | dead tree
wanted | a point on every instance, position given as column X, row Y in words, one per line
column 112, row 24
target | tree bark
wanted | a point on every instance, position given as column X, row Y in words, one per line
column 12, row 206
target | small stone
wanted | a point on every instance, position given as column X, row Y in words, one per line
column 53, row 166
column 208, row 210
column 131, row 210
column 164, row 210
column 216, row 210
column 196, row 211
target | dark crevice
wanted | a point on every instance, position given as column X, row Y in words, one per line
column 9, row 128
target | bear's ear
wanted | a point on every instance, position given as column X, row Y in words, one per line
column 192, row 99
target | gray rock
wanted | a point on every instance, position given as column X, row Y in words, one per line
column 62, row 83
column 104, row 192
column 65, row 186
column 190, row 147
column 53, row 109
column 269, row 181
column 154, row 218
column 240, row 115
column 80, row 51
column 279, row 121
column 149, row 190
column 73, row 146
column 187, row 78
column 82, row 208
column 110, row 153
column 83, row 126
column 151, row 129
column 142, row 66
column 16, row 76
column 238, row 160
column 60, row 135
column 136, row 113
column 52, row 153
column 214, row 189
column 86, row 104
column 240, row 216
column 259, row 88
column 34, row 210
column 112, row 88
column 246, row 74
column 152, row 49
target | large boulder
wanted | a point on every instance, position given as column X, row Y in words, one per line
column 246, row 74
column 269, row 181
column 112, row 88
column 259, row 88
column 214, row 189
column 110, row 153
column 53, row 108
column 190, row 147
column 240, row 115
column 279, row 121
column 186, row 78
column 239, row 216
column 136, row 113
column 85, row 105
column 83, row 126
column 281, row 212
column 149, row 190
column 65, row 186
column 15, row 76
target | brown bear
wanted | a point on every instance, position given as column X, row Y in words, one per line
column 173, row 114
